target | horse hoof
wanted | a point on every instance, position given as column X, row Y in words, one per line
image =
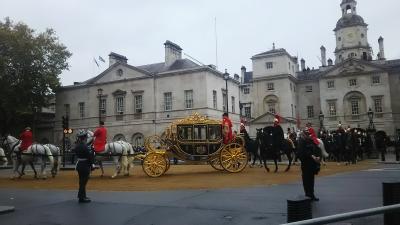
column 112, row 177
column 126, row 175
column 44, row 178
column 276, row 171
column 287, row 169
column 268, row 170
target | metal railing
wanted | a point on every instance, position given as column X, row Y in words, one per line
column 347, row 216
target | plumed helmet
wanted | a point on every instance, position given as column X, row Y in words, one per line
column 81, row 134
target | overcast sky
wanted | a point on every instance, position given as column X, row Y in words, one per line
column 137, row 29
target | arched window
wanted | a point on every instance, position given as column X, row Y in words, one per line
column 119, row 137
column 271, row 104
column 138, row 139
column 348, row 9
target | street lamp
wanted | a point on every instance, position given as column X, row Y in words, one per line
column 370, row 114
column 226, row 78
column 321, row 121
column 99, row 94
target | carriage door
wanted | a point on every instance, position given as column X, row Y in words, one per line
column 200, row 138
column 185, row 135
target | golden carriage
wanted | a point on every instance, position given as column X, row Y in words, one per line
column 195, row 138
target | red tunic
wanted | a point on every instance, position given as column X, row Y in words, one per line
column 27, row 139
column 100, row 140
column 313, row 135
column 227, row 130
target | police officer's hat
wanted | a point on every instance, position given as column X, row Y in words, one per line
column 81, row 134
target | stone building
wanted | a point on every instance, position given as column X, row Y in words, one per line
column 343, row 89
column 138, row 101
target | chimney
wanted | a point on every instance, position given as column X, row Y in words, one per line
column 330, row 62
column 172, row 52
column 303, row 64
column 381, row 48
column 243, row 71
column 323, row 56
column 114, row 58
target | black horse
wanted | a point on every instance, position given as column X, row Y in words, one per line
column 273, row 144
column 252, row 148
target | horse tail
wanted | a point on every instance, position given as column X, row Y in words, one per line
column 322, row 147
column 49, row 154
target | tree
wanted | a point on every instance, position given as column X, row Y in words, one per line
column 30, row 65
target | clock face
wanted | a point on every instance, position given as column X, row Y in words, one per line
column 350, row 38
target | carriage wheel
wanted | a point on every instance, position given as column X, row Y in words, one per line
column 153, row 143
column 154, row 164
column 233, row 158
column 215, row 163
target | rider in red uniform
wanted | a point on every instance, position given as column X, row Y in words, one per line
column 226, row 128
column 100, row 138
column 312, row 133
column 27, row 139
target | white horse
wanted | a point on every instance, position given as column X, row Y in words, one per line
column 56, row 152
column 3, row 157
column 117, row 150
column 323, row 151
column 28, row 156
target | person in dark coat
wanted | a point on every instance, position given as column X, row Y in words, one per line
column 84, row 164
column 310, row 163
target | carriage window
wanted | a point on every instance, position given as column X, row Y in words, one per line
column 214, row 132
column 200, row 132
column 185, row 132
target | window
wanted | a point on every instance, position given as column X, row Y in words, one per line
column 310, row 111
column 352, row 82
column 331, row 84
column 119, row 104
column 67, row 109
column 224, row 99
column 289, row 65
column 355, row 107
column 271, row 108
column 81, row 109
column 378, row 105
column 291, row 86
column 138, row 103
column 215, row 99
column 246, row 90
column 103, row 107
column 339, row 38
column 270, row 86
column 168, row 101
column 120, row 72
column 376, row 80
column 189, row 99
column 247, row 111
column 308, row 88
column 233, row 104
column 332, row 108
column 269, row 65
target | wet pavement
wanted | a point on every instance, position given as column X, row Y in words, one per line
column 260, row 205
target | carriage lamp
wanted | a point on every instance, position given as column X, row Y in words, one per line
column 226, row 78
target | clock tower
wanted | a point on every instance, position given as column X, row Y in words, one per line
column 351, row 34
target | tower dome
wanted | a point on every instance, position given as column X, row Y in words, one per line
column 350, row 20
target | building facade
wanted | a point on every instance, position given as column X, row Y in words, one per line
column 138, row 101
column 343, row 89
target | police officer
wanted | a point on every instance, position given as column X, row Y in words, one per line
column 310, row 163
column 84, row 164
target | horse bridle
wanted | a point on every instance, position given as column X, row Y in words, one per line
column 8, row 144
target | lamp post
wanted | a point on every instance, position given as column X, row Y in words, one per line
column 226, row 78
column 321, row 122
column 370, row 114
column 99, row 94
